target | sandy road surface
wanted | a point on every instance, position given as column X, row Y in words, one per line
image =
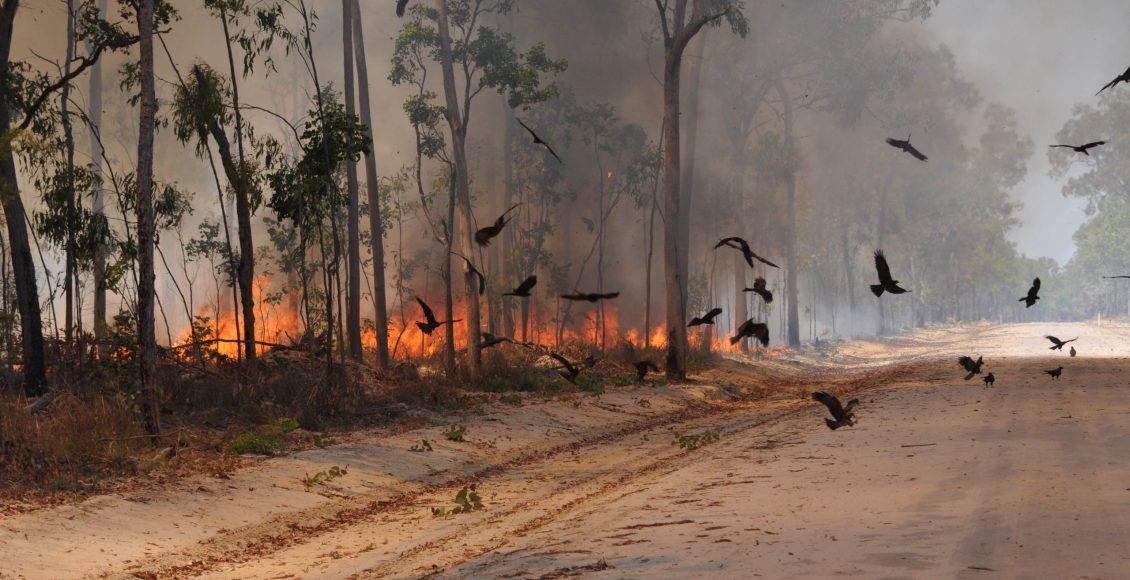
column 940, row 478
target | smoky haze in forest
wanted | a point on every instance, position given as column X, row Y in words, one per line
column 794, row 115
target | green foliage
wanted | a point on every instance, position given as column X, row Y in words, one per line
column 466, row 501
column 692, row 442
column 323, row 476
column 455, row 433
column 256, row 443
column 284, row 424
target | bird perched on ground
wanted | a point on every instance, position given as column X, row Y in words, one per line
column 758, row 330
column 841, row 414
column 400, row 4
column 707, row 318
column 1082, row 148
column 1031, row 298
column 484, row 235
column 973, row 367
column 1122, row 78
column 1072, row 351
column 538, row 141
column 642, row 367
column 742, row 245
column 570, row 370
column 489, row 340
column 1057, row 344
column 474, row 272
column 1055, row 372
column 590, row 297
column 430, row 323
column 523, row 289
column 759, row 287
column 906, row 146
column 886, row 282
column 989, row 380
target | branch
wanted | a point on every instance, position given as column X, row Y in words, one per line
column 663, row 21
column 695, row 25
column 84, row 63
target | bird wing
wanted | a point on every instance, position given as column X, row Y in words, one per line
column 609, row 295
column 761, row 331
column 897, row 143
column 725, row 242
column 1054, row 340
column 551, row 151
column 914, row 152
column 400, row 4
column 475, row 272
column 429, row 316
column 1035, row 289
column 746, row 329
column 526, row 285
column 1110, row 84
column 830, row 401
column 1116, row 276
column 966, row 363
column 564, row 362
column 764, row 261
column 527, row 128
column 713, row 312
column 1093, row 144
column 883, row 269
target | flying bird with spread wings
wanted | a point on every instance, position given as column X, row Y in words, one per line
column 538, row 141
column 907, row 147
column 1111, row 277
column 523, row 289
column 841, row 414
column 1082, row 148
column 886, row 282
column 484, row 235
column 570, row 370
column 707, row 318
column 1032, row 296
column 1057, row 344
column 973, row 367
column 742, row 245
column 430, row 323
column 590, row 297
column 759, row 288
column 758, row 330
column 1122, row 78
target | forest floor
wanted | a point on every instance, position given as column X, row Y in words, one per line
column 731, row 475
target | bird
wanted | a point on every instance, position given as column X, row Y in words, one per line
column 759, row 288
column 643, row 366
column 841, row 414
column 886, row 283
column 523, row 289
column 758, row 330
column 740, row 244
column 1082, row 148
column 489, row 340
column 1055, row 372
column 1108, row 277
column 707, row 318
column 1122, row 78
column 1031, row 298
column 474, row 272
column 1057, row 344
column 1072, row 351
column 484, row 235
column 570, row 370
column 538, row 141
column 973, row 367
column 430, row 323
column 400, row 4
column 590, row 297
column 906, row 146
column 989, row 380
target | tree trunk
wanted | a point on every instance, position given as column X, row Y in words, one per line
column 792, row 270
column 146, row 329
column 15, row 217
column 686, row 187
column 458, row 135
column 675, row 284
column 376, row 228
column 97, row 203
column 353, row 228
column 70, row 275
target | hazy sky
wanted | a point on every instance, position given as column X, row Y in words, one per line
column 1040, row 57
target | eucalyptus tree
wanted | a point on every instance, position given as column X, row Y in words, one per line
column 451, row 35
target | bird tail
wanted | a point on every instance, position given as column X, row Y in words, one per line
column 877, row 290
column 833, row 425
column 735, row 339
column 969, row 376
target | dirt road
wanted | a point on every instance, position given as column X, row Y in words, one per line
column 940, row 478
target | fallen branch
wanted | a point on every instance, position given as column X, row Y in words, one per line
column 146, row 436
column 226, row 340
column 917, row 444
column 42, row 402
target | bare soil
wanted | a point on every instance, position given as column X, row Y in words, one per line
column 940, row 477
